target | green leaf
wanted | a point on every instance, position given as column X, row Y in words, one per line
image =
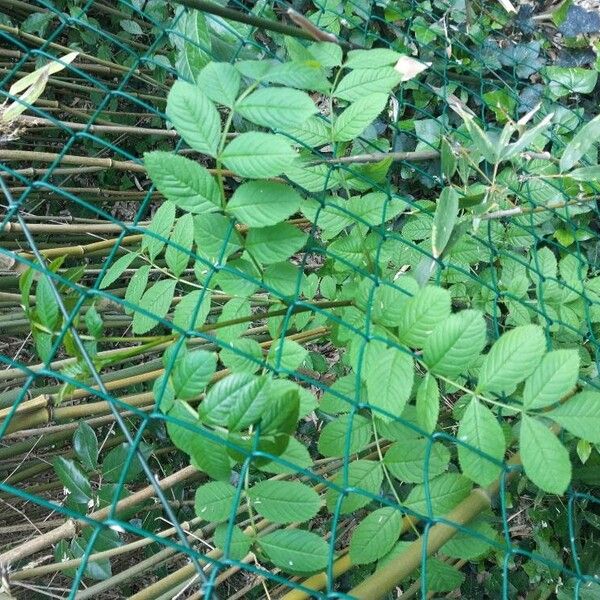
column 375, row 535
column 258, row 155
column 45, row 303
column 116, row 269
column 74, row 479
column 273, row 244
column 192, row 373
column 555, row 376
column 444, row 493
column 429, row 307
column 207, row 455
column 448, row 159
column 195, row 117
column 364, row 475
column 371, row 59
column 184, row 182
column 284, row 501
column 136, row 286
column 132, row 27
column 581, row 144
column 213, row 501
column 236, row 308
column 389, row 376
column 182, row 315
column 428, row 403
column 580, row 415
column 287, row 356
column 216, row 238
column 114, row 464
column 263, row 203
column 563, row 81
column 182, row 235
column 333, row 438
column 466, row 545
column 446, row 214
column 156, row 300
column 442, row 577
column 355, row 119
column 242, row 356
column 220, row 82
column 191, row 37
column 482, row 142
column 480, row 430
column 85, row 445
column 407, row 460
column 239, row 545
column 296, row 454
column 455, row 343
column 545, row 459
column 160, row 225
column 276, row 107
column 295, row 550
column 512, row 359
column 236, row 401
column 361, row 83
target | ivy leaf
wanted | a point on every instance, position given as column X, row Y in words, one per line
column 276, row 107
column 156, row 300
column 429, row 307
column 512, row 359
column 192, row 373
column 580, row 415
column 389, row 376
column 263, row 203
column 220, row 82
column 408, row 460
column 446, row 214
column 182, row 235
column 375, row 535
column 195, row 117
column 363, row 475
column 258, row 155
column 85, row 445
column 160, row 226
column 455, row 343
column 74, row 479
column 480, row 430
column 284, row 501
column 295, row 550
column 428, row 403
column 273, row 244
column 183, row 181
column 236, row 401
column 213, row 501
column 555, row 376
column 545, row 459
column 355, row 119
column 332, row 441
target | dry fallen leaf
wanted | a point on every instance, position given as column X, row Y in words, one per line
column 410, row 67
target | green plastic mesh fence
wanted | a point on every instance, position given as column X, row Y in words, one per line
column 264, row 375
